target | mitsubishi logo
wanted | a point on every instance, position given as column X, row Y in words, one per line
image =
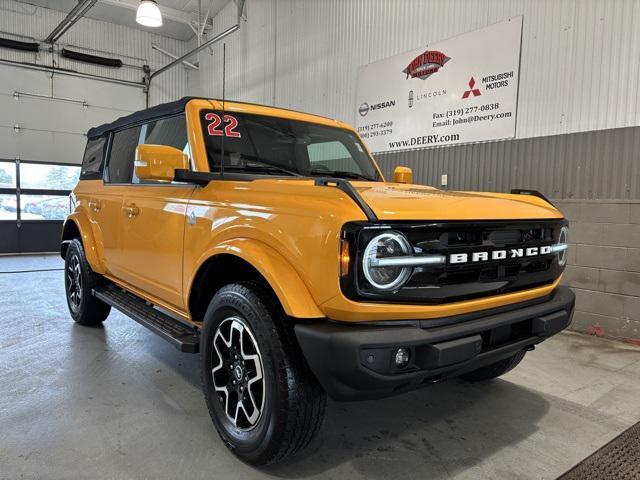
column 475, row 91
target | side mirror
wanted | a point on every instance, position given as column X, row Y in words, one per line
column 403, row 175
column 159, row 162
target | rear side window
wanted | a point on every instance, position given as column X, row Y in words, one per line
column 122, row 155
column 93, row 161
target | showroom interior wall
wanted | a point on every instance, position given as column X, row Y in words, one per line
column 50, row 131
column 577, row 133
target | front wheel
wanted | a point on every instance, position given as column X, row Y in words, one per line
column 79, row 281
column 263, row 399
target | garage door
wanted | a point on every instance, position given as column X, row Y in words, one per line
column 43, row 123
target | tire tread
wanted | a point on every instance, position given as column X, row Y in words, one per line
column 93, row 311
column 303, row 404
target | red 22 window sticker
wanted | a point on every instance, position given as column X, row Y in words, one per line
column 216, row 121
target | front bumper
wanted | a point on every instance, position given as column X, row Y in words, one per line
column 355, row 362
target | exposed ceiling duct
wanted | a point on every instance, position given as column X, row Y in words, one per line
column 84, row 57
column 18, row 45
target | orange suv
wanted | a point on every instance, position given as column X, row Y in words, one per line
column 269, row 242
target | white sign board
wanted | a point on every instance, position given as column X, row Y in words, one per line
column 460, row 90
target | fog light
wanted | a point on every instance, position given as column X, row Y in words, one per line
column 401, row 357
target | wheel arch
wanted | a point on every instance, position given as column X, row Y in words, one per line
column 76, row 226
column 70, row 231
column 245, row 259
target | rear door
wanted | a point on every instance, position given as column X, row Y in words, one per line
column 153, row 221
column 101, row 200
column 91, row 183
column 108, row 210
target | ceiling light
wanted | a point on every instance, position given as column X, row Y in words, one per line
column 148, row 14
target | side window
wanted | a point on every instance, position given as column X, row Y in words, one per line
column 332, row 156
column 168, row 131
column 93, row 160
column 122, row 155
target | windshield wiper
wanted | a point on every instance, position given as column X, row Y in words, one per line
column 340, row 174
column 262, row 167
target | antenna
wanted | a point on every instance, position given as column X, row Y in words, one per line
column 224, row 78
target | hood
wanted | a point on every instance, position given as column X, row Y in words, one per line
column 394, row 201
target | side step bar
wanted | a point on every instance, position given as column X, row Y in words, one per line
column 182, row 337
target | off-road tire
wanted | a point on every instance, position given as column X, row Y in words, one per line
column 494, row 370
column 294, row 402
column 87, row 310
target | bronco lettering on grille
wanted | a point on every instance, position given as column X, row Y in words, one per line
column 493, row 255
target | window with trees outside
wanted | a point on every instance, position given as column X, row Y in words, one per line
column 32, row 191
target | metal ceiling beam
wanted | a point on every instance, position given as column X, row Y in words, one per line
column 72, row 17
column 206, row 44
column 167, row 13
column 173, row 55
column 195, row 51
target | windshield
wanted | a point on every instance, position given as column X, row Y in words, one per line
column 273, row 145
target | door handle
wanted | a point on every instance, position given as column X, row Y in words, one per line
column 95, row 205
column 131, row 210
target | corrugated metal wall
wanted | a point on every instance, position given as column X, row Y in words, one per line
column 99, row 38
column 599, row 164
column 579, row 68
column 250, row 56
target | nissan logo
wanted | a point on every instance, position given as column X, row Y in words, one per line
column 364, row 109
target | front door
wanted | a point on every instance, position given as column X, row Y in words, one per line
column 153, row 219
column 152, row 241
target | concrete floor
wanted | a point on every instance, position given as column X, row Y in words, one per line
column 118, row 402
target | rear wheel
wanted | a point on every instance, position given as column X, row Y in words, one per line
column 494, row 370
column 263, row 399
column 79, row 281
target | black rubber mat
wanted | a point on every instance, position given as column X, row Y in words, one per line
column 618, row 459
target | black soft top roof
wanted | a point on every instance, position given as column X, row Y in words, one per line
column 162, row 110
column 153, row 113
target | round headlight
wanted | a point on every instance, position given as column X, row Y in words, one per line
column 388, row 244
column 563, row 239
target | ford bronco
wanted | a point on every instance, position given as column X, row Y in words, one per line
column 269, row 241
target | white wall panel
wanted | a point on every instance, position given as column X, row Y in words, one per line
column 119, row 98
column 44, row 114
column 53, row 130
column 579, row 66
column 250, row 57
column 44, row 146
column 132, row 46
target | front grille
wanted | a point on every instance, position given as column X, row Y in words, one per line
column 452, row 282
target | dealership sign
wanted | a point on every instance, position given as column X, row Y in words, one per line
column 460, row 90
